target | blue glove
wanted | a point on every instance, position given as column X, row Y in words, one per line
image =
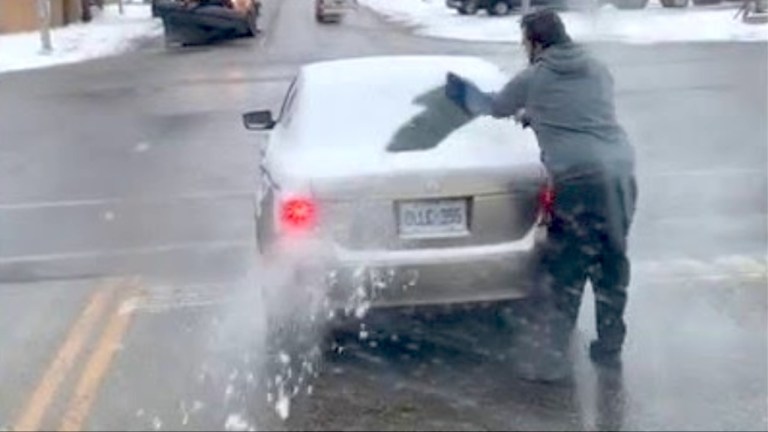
column 456, row 89
column 467, row 95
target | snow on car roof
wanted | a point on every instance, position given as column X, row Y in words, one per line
column 357, row 100
column 383, row 67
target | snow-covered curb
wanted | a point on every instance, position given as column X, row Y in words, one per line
column 651, row 25
column 108, row 34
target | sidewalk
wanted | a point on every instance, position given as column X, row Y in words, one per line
column 108, row 34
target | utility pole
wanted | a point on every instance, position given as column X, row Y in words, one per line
column 44, row 13
column 120, row 7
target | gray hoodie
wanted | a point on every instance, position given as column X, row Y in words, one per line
column 569, row 102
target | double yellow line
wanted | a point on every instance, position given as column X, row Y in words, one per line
column 97, row 365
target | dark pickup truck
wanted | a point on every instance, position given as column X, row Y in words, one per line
column 193, row 22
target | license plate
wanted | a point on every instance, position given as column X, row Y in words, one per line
column 433, row 218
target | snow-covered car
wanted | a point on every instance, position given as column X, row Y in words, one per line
column 332, row 10
column 191, row 22
column 370, row 173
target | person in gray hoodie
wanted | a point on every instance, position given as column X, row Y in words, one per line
column 566, row 96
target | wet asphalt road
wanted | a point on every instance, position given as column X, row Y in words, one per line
column 127, row 270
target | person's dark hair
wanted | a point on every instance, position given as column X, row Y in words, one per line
column 545, row 28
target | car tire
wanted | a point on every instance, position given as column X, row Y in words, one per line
column 630, row 4
column 500, row 8
column 319, row 16
column 675, row 3
column 470, row 7
column 253, row 28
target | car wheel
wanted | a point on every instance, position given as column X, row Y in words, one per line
column 319, row 17
column 675, row 3
column 469, row 8
column 253, row 28
column 500, row 8
column 630, row 4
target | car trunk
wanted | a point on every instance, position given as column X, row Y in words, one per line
column 429, row 209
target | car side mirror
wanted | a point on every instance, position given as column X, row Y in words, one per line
column 259, row 120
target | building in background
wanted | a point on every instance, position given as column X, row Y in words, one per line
column 21, row 15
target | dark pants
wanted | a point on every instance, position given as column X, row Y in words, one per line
column 587, row 239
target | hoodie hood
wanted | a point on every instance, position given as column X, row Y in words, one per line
column 565, row 59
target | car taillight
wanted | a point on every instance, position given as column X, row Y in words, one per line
column 547, row 199
column 298, row 213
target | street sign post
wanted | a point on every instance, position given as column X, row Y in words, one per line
column 44, row 14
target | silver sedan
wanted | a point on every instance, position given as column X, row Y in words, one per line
column 371, row 173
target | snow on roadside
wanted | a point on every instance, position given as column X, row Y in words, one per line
column 108, row 34
column 653, row 24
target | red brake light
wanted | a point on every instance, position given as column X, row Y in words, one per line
column 298, row 213
column 547, row 199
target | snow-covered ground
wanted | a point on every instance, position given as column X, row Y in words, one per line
column 653, row 24
column 108, row 34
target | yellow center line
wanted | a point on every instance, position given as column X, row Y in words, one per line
column 62, row 363
column 98, row 363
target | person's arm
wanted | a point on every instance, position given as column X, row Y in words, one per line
column 513, row 97
column 506, row 103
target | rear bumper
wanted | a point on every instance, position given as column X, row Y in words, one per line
column 331, row 8
column 434, row 276
column 331, row 11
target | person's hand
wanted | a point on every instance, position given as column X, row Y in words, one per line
column 522, row 118
column 455, row 89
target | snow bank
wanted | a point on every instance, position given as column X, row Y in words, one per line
column 108, row 34
column 653, row 24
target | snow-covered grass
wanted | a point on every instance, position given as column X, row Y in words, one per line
column 108, row 34
column 653, row 24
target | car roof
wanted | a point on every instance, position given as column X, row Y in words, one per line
column 352, row 99
column 382, row 67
